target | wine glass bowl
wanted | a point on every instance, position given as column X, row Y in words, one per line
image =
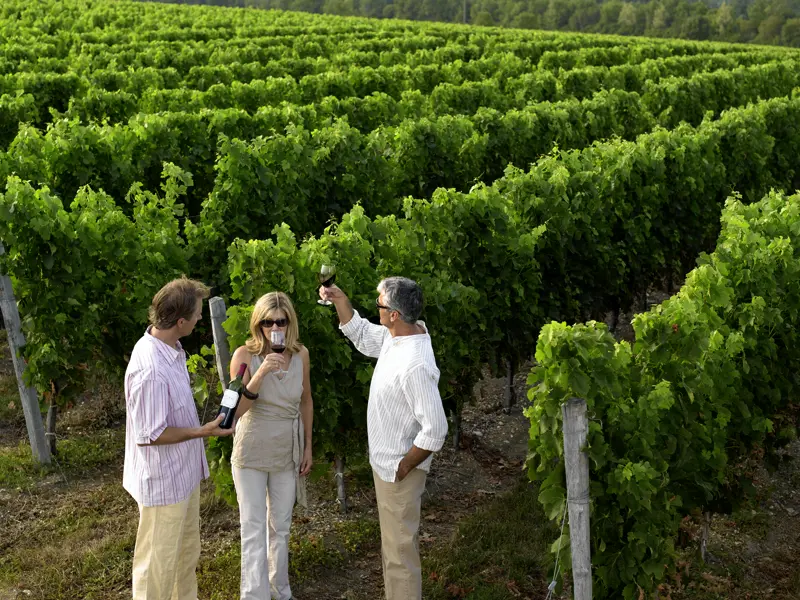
column 277, row 341
column 278, row 344
column 326, row 277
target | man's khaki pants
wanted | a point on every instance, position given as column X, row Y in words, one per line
column 399, row 509
column 167, row 551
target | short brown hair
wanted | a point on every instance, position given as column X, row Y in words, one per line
column 176, row 300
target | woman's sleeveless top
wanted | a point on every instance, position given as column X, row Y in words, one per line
column 269, row 437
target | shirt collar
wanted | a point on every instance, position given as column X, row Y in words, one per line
column 167, row 351
column 417, row 336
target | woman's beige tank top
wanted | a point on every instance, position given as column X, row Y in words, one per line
column 269, row 437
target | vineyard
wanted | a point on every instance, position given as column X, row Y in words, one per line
column 521, row 177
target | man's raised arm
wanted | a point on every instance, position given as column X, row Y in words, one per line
column 367, row 337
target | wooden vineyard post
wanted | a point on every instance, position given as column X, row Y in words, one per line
column 341, row 491
column 509, row 396
column 576, row 427
column 222, row 351
column 455, row 415
column 27, row 395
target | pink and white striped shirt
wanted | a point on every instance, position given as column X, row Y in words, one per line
column 158, row 395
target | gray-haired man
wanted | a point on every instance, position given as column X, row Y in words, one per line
column 405, row 421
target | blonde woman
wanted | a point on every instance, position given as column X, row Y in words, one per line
column 272, row 446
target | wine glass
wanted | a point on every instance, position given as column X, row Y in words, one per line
column 326, row 276
column 278, row 344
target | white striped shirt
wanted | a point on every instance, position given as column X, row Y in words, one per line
column 404, row 407
column 158, row 395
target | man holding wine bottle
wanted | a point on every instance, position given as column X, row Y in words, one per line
column 164, row 453
column 405, row 420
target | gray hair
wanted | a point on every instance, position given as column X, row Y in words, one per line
column 403, row 295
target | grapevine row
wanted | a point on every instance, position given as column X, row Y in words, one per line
column 704, row 384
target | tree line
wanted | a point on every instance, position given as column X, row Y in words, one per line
column 760, row 21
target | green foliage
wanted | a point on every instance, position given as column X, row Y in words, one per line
column 246, row 148
column 77, row 455
column 84, row 277
column 668, row 416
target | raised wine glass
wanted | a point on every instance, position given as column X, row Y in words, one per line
column 327, row 277
column 278, row 344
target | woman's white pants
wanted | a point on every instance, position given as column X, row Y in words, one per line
column 266, row 501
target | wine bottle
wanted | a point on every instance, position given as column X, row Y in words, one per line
column 230, row 399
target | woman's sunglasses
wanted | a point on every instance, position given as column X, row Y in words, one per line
column 270, row 322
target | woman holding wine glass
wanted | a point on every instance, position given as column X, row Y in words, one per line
column 272, row 444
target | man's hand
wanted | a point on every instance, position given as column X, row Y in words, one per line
column 402, row 472
column 344, row 309
column 176, row 435
column 411, row 461
column 212, row 428
column 332, row 293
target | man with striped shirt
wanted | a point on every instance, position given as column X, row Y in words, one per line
column 164, row 454
column 405, row 421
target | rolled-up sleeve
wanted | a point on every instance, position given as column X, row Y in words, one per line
column 367, row 337
column 422, row 390
column 149, row 408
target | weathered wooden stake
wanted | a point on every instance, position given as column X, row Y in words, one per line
column 614, row 320
column 341, row 491
column 456, row 418
column 706, row 535
column 28, row 396
column 223, row 354
column 576, row 427
column 50, row 430
column 508, row 396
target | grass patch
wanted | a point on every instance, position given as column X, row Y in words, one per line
column 499, row 553
column 359, row 534
column 752, row 522
column 218, row 576
column 309, row 555
column 10, row 408
column 80, row 549
column 9, row 392
column 80, row 568
column 78, row 455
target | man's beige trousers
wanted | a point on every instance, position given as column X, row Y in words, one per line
column 167, row 551
column 399, row 509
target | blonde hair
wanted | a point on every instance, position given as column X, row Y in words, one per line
column 267, row 305
column 176, row 300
